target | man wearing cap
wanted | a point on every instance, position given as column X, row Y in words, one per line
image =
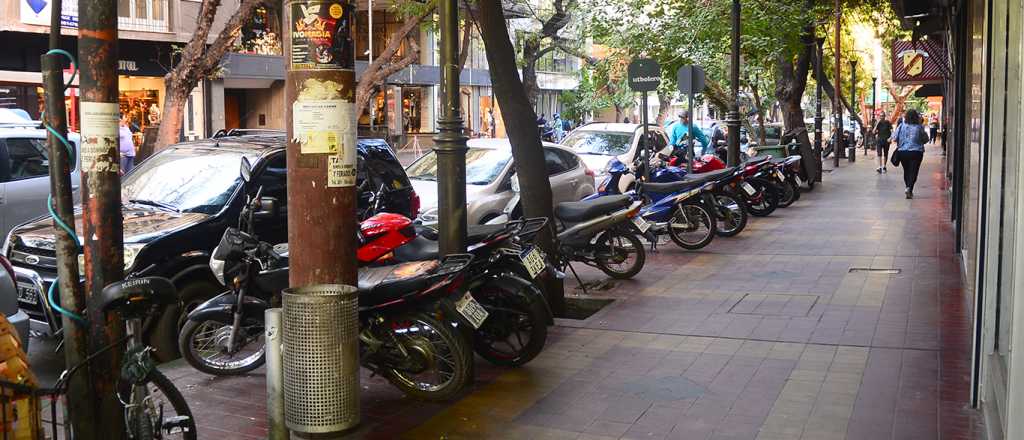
column 677, row 132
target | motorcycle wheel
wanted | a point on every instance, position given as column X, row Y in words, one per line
column 202, row 344
column 614, row 249
column 787, row 194
column 768, row 201
column 691, row 226
column 732, row 218
column 516, row 327
column 796, row 189
column 440, row 360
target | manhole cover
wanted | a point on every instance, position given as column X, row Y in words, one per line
column 774, row 305
column 878, row 271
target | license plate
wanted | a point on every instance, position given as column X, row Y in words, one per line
column 780, row 175
column 533, row 260
column 81, row 265
column 642, row 224
column 748, row 188
column 471, row 310
column 28, row 293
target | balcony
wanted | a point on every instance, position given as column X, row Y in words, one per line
column 142, row 15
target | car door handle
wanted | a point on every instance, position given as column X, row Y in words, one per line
column 572, row 182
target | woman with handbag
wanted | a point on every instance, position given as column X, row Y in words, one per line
column 910, row 138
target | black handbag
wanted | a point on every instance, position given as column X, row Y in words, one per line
column 895, row 158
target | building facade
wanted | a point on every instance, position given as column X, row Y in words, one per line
column 983, row 115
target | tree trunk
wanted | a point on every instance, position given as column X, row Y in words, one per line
column 531, row 53
column 664, row 106
column 618, row 113
column 521, row 125
column 385, row 64
column 198, row 61
column 760, row 112
column 791, row 81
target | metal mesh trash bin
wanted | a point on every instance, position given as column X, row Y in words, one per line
column 321, row 358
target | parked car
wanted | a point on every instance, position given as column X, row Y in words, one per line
column 176, row 205
column 9, row 292
column 489, row 169
column 598, row 143
column 25, row 172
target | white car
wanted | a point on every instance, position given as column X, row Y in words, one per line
column 598, row 143
column 489, row 170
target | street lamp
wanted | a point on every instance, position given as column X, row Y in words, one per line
column 733, row 118
column 450, row 140
column 820, row 41
column 853, row 106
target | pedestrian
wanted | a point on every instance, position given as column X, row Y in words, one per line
column 682, row 130
column 556, row 124
column 492, row 123
column 933, row 130
column 126, row 146
column 910, row 138
column 626, row 120
column 883, row 131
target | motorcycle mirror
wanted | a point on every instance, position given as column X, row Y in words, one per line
column 246, row 170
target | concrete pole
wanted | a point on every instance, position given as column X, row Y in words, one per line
column 853, row 106
column 102, row 224
column 450, row 141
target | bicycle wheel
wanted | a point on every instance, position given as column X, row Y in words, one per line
column 161, row 414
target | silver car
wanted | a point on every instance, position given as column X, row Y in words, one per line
column 25, row 173
column 489, row 170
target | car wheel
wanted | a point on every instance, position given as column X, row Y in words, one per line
column 164, row 337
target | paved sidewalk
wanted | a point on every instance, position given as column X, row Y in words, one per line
column 772, row 335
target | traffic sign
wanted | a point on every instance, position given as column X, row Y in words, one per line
column 690, row 79
column 644, row 75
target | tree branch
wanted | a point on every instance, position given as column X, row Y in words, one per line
column 215, row 52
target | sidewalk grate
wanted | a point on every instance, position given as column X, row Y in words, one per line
column 583, row 308
column 875, row 271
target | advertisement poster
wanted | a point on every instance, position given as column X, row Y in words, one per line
column 99, row 136
column 319, row 37
column 38, row 12
column 321, row 126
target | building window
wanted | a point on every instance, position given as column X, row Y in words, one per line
column 261, row 35
column 142, row 15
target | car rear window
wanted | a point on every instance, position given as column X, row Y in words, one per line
column 382, row 165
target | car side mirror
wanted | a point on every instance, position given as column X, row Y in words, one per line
column 267, row 209
column 246, row 170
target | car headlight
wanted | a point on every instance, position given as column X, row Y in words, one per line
column 217, row 267
column 131, row 251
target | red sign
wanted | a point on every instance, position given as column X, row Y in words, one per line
column 919, row 62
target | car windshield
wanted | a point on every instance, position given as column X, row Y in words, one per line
column 604, row 143
column 185, row 180
column 483, row 165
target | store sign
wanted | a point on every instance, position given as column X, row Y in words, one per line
column 38, row 12
column 128, row 66
column 918, row 62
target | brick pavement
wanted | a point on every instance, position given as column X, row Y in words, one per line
column 764, row 336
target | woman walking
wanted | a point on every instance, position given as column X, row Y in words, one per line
column 910, row 138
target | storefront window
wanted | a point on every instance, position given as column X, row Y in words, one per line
column 376, row 110
column 261, row 35
column 143, row 15
column 412, row 101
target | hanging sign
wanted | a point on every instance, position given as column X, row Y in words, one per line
column 319, row 35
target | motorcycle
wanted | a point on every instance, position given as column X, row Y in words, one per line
column 728, row 208
column 787, row 170
column 502, row 279
column 757, row 188
column 406, row 330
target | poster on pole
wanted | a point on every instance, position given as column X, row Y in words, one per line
column 319, row 34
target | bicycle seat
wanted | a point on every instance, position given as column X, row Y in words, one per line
column 379, row 285
column 585, row 210
column 137, row 293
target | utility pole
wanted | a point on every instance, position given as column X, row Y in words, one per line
column 71, row 295
column 102, row 224
column 450, row 141
column 820, row 41
column 853, row 107
column 320, row 117
column 837, row 101
column 733, row 118
column 874, row 114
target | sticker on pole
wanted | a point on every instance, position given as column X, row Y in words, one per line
column 323, row 126
column 99, row 136
column 320, row 37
